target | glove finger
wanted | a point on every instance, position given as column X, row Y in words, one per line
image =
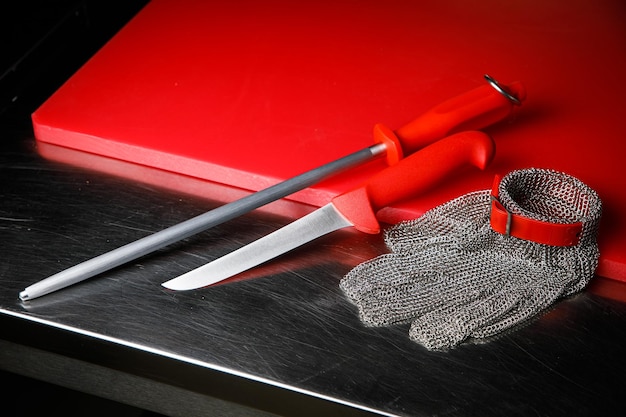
column 373, row 276
column 448, row 327
column 531, row 304
column 393, row 289
column 379, row 289
column 434, row 290
column 386, row 304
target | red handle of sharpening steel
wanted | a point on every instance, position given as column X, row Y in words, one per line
column 413, row 175
column 473, row 110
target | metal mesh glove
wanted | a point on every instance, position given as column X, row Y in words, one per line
column 454, row 276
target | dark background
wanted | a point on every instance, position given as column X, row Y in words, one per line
column 42, row 43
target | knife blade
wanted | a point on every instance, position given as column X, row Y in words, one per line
column 356, row 208
column 475, row 109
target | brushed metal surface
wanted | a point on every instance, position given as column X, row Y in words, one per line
column 284, row 331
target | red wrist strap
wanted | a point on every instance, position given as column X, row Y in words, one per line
column 507, row 223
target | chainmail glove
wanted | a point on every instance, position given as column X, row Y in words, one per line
column 484, row 262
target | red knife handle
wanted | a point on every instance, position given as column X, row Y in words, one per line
column 474, row 110
column 413, row 175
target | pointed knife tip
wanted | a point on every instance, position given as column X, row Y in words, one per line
column 170, row 285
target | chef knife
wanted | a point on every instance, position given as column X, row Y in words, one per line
column 474, row 109
column 412, row 175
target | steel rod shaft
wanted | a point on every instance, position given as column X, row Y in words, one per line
column 183, row 230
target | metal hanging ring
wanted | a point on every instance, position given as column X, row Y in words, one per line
column 501, row 90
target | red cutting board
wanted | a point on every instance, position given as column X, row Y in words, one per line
column 249, row 93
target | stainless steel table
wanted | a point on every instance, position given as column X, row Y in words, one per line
column 281, row 341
